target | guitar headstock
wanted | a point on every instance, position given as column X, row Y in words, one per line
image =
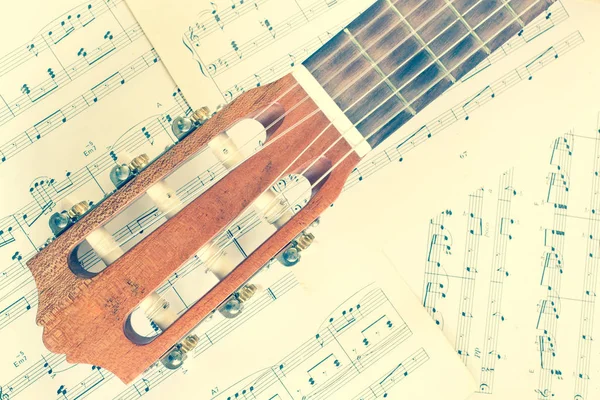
column 87, row 315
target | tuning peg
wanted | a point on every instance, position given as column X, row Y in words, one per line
column 235, row 304
column 60, row 221
column 290, row 255
column 122, row 173
column 182, row 126
column 178, row 353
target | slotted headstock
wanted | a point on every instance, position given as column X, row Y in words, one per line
column 86, row 315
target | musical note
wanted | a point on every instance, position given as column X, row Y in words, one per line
column 107, row 86
column 87, row 17
column 540, row 61
column 476, row 101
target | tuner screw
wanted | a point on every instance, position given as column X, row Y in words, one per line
column 189, row 343
column 181, row 126
column 121, row 174
column 201, row 115
column 246, row 293
column 139, row 163
column 174, row 359
column 78, row 210
column 290, row 256
column 61, row 220
column 234, row 306
column 304, row 241
column 178, row 353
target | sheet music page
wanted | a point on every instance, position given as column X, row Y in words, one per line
column 508, row 271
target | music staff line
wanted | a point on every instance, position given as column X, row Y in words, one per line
column 385, row 152
column 330, row 337
column 379, row 388
column 372, row 164
column 277, row 373
column 58, row 118
column 554, row 246
column 55, row 31
column 9, row 109
column 473, row 235
column 589, row 286
column 254, row 45
column 48, row 365
column 462, row 110
column 217, row 20
column 494, row 316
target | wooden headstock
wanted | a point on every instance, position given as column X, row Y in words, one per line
column 85, row 315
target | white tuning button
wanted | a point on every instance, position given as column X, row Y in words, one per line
column 217, row 263
column 274, row 208
column 162, row 195
column 227, row 152
column 100, row 240
column 165, row 199
column 155, row 307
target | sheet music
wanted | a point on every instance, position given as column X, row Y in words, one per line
column 80, row 83
column 508, row 272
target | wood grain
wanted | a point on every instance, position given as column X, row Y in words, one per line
column 84, row 316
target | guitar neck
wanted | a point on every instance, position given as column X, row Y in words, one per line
column 400, row 55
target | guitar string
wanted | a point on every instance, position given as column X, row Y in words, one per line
column 331, row 78
column 326, row 173
column 340, row 69
column 310, row 115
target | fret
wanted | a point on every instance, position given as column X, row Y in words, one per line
column 529, row 9
column 400, row 55
column 375, row 67
column 439, row 7
column 515, row 16
column 466, row 25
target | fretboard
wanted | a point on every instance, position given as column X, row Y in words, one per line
column 400, row 55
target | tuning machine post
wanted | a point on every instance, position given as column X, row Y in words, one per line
column 122, row 173
column 182, row 126
column 62, row 220
column 176, row 356
column 235, row 304
column 291, row 254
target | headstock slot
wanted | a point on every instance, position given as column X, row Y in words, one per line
column 149, row 211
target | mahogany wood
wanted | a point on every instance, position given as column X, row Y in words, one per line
column 84, row 317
